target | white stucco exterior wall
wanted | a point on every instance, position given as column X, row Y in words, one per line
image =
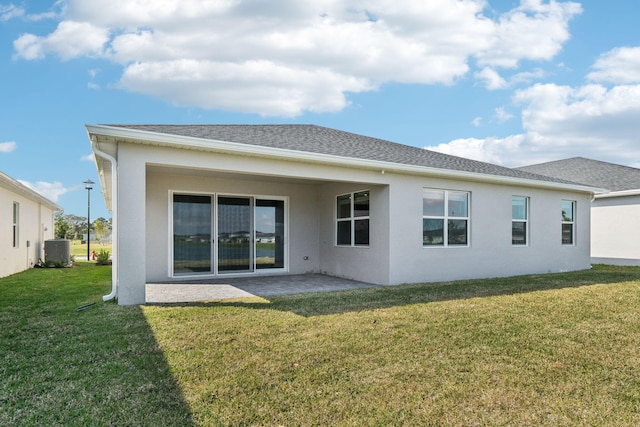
column 490, row 252
column 368, row 264
column 131, row 237
column 35, row 225
column 148, row 174
column 615, row 228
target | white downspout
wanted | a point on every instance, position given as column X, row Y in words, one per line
column 114, row 219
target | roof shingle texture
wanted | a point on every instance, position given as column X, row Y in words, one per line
column 322, row 140
column 590, row 172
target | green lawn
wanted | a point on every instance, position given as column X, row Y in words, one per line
column 559, row 349
column 79, row 249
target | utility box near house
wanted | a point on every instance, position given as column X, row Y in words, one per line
column 57, row 252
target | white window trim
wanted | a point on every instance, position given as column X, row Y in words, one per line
column 446, row 218
column 525, row 221
column 352, row 219
column 15, row 215
column 574, row 205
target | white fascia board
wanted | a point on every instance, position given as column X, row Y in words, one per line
column 193, row 143
column 105, row 182
column 625, row 193
column 17, row 187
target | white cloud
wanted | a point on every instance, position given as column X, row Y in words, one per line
column 561, row 122
column 477, row 121
column 88, row 158
column 491, row 79
column 29, row 47
column 50, row 190
column 584, row 113
column 502, row 115
column 619, row 66
column 527, row 76
column 261, row 87
column 287, row 57
column 492, row 150
column 10, row 11
column 591, row 120
column 535, row 30
column 69, row 40
column 41, row 16
column 93, row 73
column 7, row 147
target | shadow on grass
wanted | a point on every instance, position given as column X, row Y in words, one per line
column 96, row 366
column 336, row 302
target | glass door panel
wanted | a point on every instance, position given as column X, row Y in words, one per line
column 191, row 234
column 235, row 234
column 269, row 235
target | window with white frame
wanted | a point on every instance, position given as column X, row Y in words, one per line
column 445, row 217
column 519, row 220
column 16, row 219
column 352, row 219
column 568, row 222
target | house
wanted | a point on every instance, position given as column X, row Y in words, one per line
column 615, row 212
column 26, row 222
column 187, row 201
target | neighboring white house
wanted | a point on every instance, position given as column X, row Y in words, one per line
column 26, row 221
column 615, row 213
column 187, row 202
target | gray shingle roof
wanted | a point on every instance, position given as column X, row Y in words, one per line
column 322, row 140
column 590, row 172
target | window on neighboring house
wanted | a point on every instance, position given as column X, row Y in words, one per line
column 445, row 218
column 568, row 222
column 352, row 219
column 16, row 217
column 519, row 220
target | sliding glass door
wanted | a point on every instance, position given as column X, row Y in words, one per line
column 250, row 234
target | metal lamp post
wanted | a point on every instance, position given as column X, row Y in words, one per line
column 88, row 185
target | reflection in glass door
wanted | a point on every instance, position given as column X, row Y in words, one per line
column 191, row 234
column 235, row 234
column 269, row 234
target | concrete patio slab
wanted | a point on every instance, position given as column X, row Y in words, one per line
column 238, row 287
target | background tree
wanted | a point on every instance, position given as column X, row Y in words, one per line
column 73, row 227
column 77, row 226
column 101, row 228
column 61, row 226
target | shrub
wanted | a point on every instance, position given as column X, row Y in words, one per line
column 52, row 263
column 103, row 257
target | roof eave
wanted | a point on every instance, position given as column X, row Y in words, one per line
column 21, row 189
column 107, row 191
column 623, row 193
column 194, row 143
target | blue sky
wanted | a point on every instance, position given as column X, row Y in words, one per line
column 508, row 82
